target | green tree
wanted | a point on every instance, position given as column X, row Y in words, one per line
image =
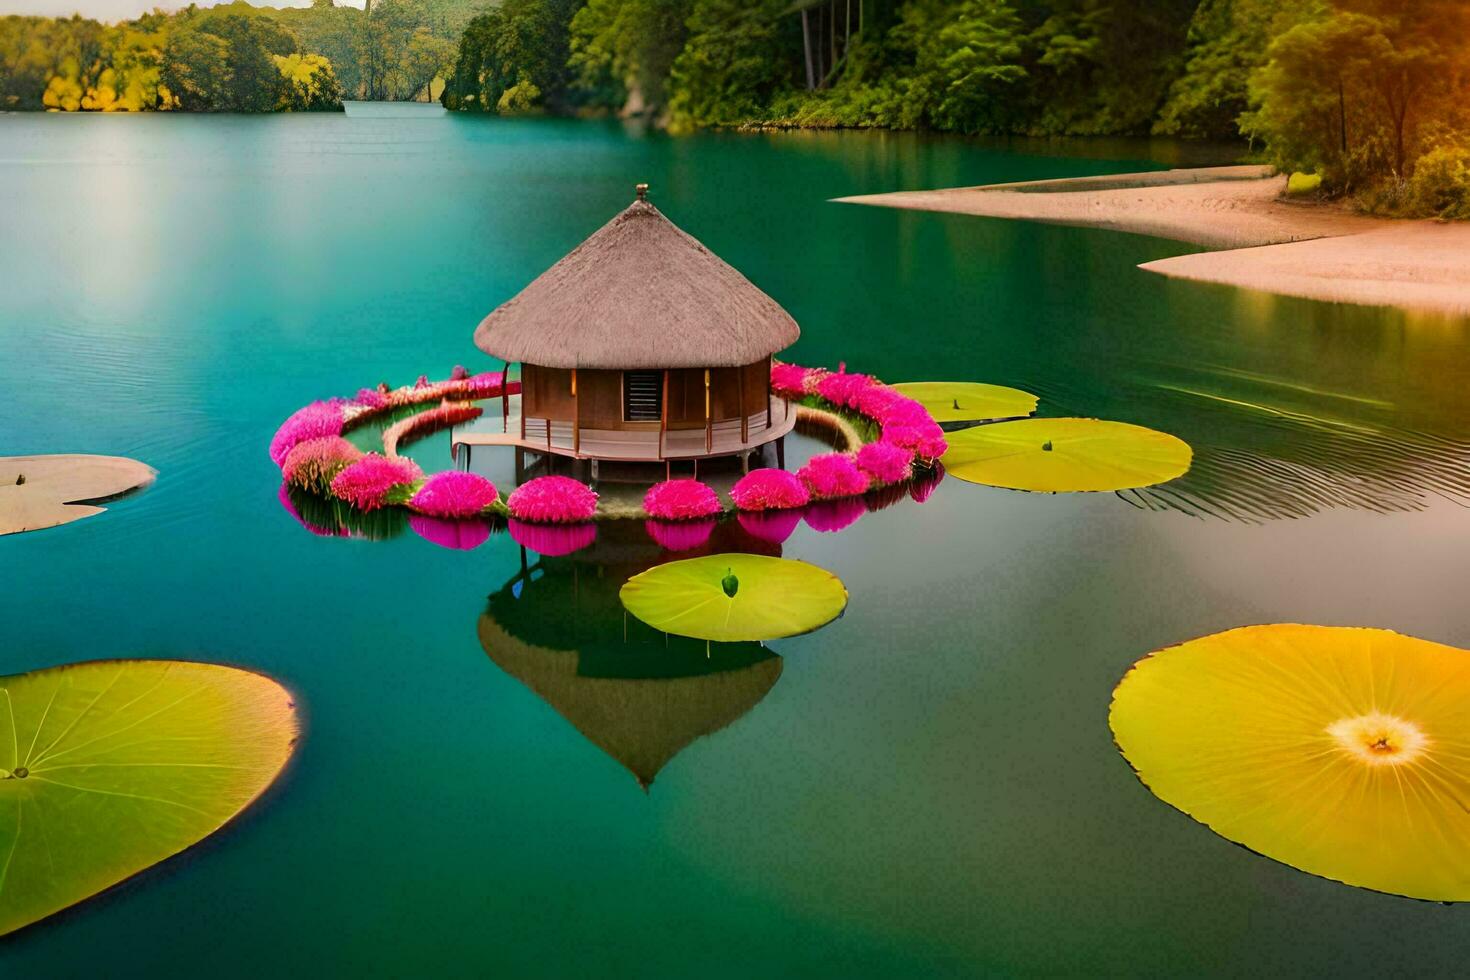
column 1361, row 91
column 521, row 47
column 310, row 84
column 623, row 50
column 726, row 74
column 1227, row 41
column 196, row 69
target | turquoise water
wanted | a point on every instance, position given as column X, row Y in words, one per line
column 925, row 787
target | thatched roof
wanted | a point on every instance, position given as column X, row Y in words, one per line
column 640, row 293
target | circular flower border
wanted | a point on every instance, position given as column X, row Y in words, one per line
column 892, row 440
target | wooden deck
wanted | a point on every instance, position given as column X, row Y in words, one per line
column 648, row 445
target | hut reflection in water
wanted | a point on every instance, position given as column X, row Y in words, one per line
column 640, row 695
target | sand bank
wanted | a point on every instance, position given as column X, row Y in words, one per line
column 1296, row 249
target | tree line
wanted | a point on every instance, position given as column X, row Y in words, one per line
column 1371, row 95
column 233, row 58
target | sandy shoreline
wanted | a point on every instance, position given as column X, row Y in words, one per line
column 1310, row 250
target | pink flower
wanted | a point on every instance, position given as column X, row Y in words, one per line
column 875, row 402
column 312, row 464
column 454, row 494
column 835, row 515
column 459, row 373
column 885, row 462
column 487, row 384
column 422, row 382
column 367, row 483
column 833, row 475
column 769, row 490
column 774, row 526
column 788, row 379
column 924, row 440
column 552, row 539
column 371, row 398
column 681, row 500
column 680, row 535
column 553, row 499
column 844, row 389
column 315, row 420
column 457, row 535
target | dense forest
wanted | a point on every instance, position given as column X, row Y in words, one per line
column 1371, row 95
column 233, row 57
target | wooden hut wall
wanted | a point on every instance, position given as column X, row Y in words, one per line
column 601, row 396
column 757, row 386
column 685, row 409
column 547, row 392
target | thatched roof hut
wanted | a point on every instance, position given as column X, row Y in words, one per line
column 641, row 344
column 639, row 293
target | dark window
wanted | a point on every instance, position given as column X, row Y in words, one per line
column 643, row 396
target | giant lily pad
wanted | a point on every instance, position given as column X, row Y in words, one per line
column 43, row 491
column 1342, row 752
column 1059, row 455
column 107, row 768
column 733, row 597
column 966, row 401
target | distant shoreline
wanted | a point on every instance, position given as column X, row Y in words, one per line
column 1262, row 241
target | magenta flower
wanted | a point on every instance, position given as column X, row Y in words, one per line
column 833, row 475
column 446, row 533
column 312, row 464
column 553, row 500
column 769, row 489
column 552, row 540
column 454, row 494
column 487, row 384
column 459, row 373
column 315, row 420
column 925, row 441
column 371, row 398
column 885, row 463
column 835, row 515
column 681, row 500
column 680, row 535
column 774, row 526
column 844, row 389
column 366, row 483
column 788, row 379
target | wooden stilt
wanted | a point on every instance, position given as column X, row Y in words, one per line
column 744, row 419
column 663, row 415
column 576, row 417
column 709, row 425
column 781, row 453
column 505, row 398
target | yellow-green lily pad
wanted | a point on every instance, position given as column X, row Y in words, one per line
column 1063, row 455
column 735, row 597
column 968, row 401
column 1340, row 751
column 108, row 768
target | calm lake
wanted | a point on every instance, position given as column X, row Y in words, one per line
column 927, row 786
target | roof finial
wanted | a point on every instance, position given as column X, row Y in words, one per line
column 642, row 191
